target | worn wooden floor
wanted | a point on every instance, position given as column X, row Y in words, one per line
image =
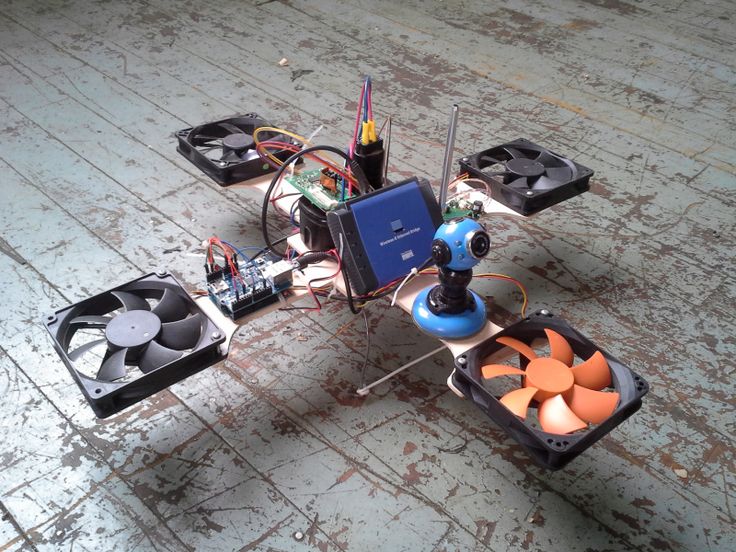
column 272, row 443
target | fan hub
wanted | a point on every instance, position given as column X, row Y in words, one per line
column 548, row 375
column 238, row 142
column 132, row 329
column 525, row 167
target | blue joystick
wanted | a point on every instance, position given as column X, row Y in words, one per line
column 449, row 310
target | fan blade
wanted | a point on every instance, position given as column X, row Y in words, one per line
column 592, row 406
column 183, row 334
column 91, row 321
column 559, row 348
column 485, row 161
column 171, row 307
column 514, row 153
column 559, row 174
column 544, row 183
column 516, row 345
column 156, row 356
column 556, row 417
column 549, row 160
column 131, row 302
column 232, row 128
column 554, row 161
column 113, row 366
column 206, row 138
column 79, row 351
column 231, row 157
column 594, row 373
column 517, row 401
column 494, row 370
column 521, row 183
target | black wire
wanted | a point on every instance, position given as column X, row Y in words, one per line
column 348, row 291
column 368, row 298
column 292, row 213
column 354, row 167
column 311, row 257
column 314, row 293
column 392, row 289
column 266, row 249
column 346, row 278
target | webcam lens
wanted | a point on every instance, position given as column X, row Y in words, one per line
column 480, row 244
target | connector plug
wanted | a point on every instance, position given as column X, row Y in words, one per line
column 370, row 157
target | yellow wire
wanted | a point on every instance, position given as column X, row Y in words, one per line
column 297, row 137
column 516, row 282
column 304, row 141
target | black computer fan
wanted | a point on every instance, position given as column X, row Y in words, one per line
column 125, row 344
column 527, row 177
column 551, row 405
column 225, row 150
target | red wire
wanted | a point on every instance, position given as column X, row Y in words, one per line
column 291, row 147
column 351, row 149
column 332, row 252
column 294, row 148
column 228, row 253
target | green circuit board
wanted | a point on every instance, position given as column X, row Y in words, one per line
column 307, row 182
column 456, row 210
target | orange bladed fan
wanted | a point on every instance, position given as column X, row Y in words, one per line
column 569, row 397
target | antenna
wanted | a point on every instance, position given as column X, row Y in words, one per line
column 447, row 166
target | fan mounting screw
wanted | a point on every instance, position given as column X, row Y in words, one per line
column 529, row 192
column 222, row 163
column 465, row 159
column 298, row 535
column 545, row 312
column 216, row 335
column 161, row 273
column 462, row 361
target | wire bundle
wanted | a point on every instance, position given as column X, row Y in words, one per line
column 265, row 148
column 367, row 129
column 229, row 253
column 312, row 291
column 354, row 169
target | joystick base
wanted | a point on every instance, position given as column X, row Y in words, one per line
column 448, row 326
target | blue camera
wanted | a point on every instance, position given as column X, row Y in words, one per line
column 449, row 310
column 460, row 244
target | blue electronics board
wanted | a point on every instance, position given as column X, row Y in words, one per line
column 386, row 233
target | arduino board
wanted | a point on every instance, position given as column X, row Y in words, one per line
column 257, row 285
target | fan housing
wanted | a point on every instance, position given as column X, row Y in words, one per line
column 527, row 177
column 225, row 149
column 130, row 342
column 544, row 385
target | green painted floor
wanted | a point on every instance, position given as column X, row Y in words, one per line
column 271, row 450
